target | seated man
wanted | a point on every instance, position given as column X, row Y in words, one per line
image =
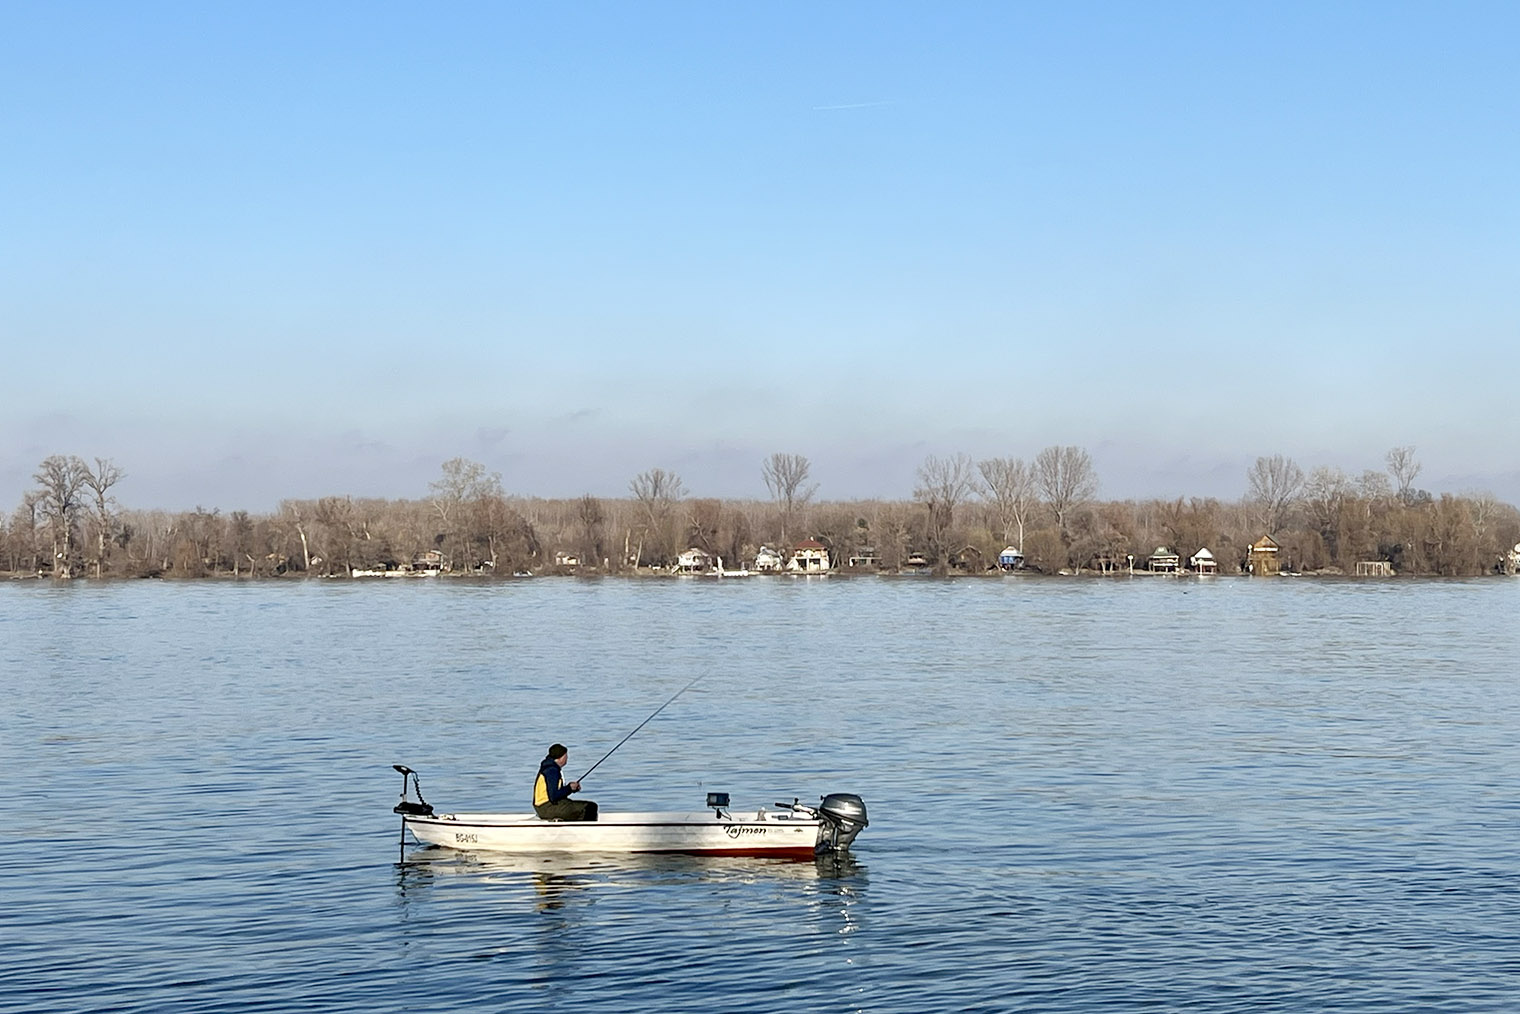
column 551, row 796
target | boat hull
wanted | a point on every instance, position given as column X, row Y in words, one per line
column 753, row 834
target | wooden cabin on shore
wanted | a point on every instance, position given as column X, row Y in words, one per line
column 1264, row 558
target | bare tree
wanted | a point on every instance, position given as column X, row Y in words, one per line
column 463, row 480
column 1272, row 487
column 704, row 518
column 457, row 497
column 1325, row 493
column 296, row 516
column 943, row 483
column 506, row 534
column 62, row 479
column 590, row 517
column 1373, row 487
column 657, row 492
column 786, row 477
column 1009, row 485
column 1404, row 469
column 240, row 542
column 1483, row 508
column 105, row 475
column 1067, row 480
column 25, row 520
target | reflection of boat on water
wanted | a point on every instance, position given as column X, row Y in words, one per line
column 554, row 881
column 792, row 829
column 430, row 862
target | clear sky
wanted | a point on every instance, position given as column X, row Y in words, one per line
column 251, row 251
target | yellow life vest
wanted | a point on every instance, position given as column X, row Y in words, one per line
column 540, row 790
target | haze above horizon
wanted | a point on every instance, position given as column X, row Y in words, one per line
column 291, row 251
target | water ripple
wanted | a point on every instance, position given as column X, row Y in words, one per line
column 1085, row 795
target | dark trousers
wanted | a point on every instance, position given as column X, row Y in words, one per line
column 567, row 809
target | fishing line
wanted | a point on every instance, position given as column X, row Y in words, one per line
column 645, row 722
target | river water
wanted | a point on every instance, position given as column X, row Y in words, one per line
column 1087, row 794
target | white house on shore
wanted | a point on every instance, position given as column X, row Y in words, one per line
column 1163, row 561
column 1010, row 559
column 768, row 561
column 695, row 561
column 809, row 557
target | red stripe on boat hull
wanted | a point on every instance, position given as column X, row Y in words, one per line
column 799, row 852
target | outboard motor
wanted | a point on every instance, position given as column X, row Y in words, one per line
column 844, row 813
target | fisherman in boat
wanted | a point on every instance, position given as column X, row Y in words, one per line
column 551, row 794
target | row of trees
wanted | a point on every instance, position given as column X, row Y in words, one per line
column 963, row 512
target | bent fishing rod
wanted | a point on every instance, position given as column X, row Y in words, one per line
column 645, row 722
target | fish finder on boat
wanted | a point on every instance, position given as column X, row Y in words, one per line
column 793, row 829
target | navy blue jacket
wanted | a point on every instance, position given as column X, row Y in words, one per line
column 549, row 787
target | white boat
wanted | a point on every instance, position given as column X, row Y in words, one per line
column 790, row 829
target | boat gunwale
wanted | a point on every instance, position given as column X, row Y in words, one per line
column 608, row 820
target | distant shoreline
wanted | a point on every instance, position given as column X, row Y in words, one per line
column 1334, row 576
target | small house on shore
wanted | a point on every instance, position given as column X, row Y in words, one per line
column 564, row 559
column 768, row 561
column 428, row 562
column 1203, row 562
column 1010, row 559
column 968, row 559
column 1164, row 561
column 809, row 557
column 1263, row 559
column 865, row 556
column 694, row 561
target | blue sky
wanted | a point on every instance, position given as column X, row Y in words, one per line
column 275, row 250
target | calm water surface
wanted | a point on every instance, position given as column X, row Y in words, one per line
column 1085, row 795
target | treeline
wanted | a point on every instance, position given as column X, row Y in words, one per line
column 962, row 515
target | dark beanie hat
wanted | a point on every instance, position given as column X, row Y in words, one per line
column 557, row 751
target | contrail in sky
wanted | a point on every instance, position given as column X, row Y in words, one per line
column 856, row 105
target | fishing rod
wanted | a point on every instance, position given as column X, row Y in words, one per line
column 645, row 722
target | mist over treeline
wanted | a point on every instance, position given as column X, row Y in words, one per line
column 963, row 513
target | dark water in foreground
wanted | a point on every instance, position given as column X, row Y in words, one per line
column 1142, row 795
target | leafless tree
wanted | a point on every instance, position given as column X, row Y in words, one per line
column 786, row 477
column 1067, row 480
column 943, row 484
column 1325, row 493
column 463, row 480
column 1009, row 486
column 1373, row 487
column 100, row 480
column 240, row 543
column 295, row 516
column 457, row 497
column 590, row 517
column 1484, row 508
column 657, row 492
column 704, row 518
column 1189, row 525
column 1273, row 485
column 1404, row 469
column 61, row 480
column 25, row 521
column 509, row 538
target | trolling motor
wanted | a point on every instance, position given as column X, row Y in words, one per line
column 842, row 816
column 406, row 807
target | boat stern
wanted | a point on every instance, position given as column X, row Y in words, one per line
column 842, row 816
